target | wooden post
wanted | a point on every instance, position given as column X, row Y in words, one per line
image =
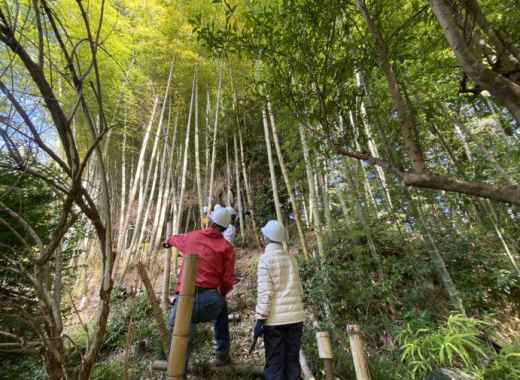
column 358, row 355
column 181, row 329
column 325, row 352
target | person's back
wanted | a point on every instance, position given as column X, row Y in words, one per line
column 214, row 280
column 215, row 267
column 278, row 275
column 279, row 307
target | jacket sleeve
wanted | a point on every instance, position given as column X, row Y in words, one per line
column 264, row 289
column 228, row 279
column 179, row 242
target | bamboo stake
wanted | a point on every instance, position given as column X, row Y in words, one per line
column 358, row 355
column 288, row 184
column 156, row 308
column 325, row 353
column 181, row 329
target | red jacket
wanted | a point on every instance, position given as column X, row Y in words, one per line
column 216, row 264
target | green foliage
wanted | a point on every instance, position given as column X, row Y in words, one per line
column 137, row 310
column 455, row 344
column 14, row 367
column 113, row 370
column 505, row 365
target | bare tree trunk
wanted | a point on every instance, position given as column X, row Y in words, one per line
column 406, row 116
column 502, row 88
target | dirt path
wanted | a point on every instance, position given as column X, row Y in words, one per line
column 241, row 304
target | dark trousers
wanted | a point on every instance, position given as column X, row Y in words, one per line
column 208, row 306
column 282, row 352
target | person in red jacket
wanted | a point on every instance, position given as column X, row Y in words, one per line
column 214, row 280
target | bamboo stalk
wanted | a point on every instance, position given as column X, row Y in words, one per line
column 358, row 354
column 181, row 329
column 197, row 158
column 238, row 189
column 325, row 353
column 272, row 173
column 214, row 144
column 165, row 301
column 314, row 211
column 288, row 184
column 247, row 188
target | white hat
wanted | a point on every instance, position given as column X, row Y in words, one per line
column 274, row 231
column 216, row 207
column 221, row 217
column 231, row 210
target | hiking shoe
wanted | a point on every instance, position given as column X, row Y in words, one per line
column 222, row 359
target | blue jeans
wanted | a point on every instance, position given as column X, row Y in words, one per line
column 208, row 306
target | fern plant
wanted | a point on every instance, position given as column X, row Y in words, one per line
column 454, row 344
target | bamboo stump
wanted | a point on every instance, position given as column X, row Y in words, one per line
column 325, row 353
column 181, row 329
column 358, row 355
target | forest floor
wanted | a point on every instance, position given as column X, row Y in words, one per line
column 136, row 354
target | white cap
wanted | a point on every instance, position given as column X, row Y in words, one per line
column 231, row 210
column 216, row 207
column 220, row 216
column 274, row 231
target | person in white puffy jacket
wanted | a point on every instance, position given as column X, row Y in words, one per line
column 279, row 306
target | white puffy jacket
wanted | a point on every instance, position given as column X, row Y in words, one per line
column 280, row 293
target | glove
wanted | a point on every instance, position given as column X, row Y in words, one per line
column 166, row 245
column 259, row 331
column 259, row 328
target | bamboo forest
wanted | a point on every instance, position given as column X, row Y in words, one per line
column 269, row 189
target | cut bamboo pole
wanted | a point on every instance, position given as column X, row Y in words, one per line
column 156, row 308
column 358, row 354
column 325, row 352
column 181, row 329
